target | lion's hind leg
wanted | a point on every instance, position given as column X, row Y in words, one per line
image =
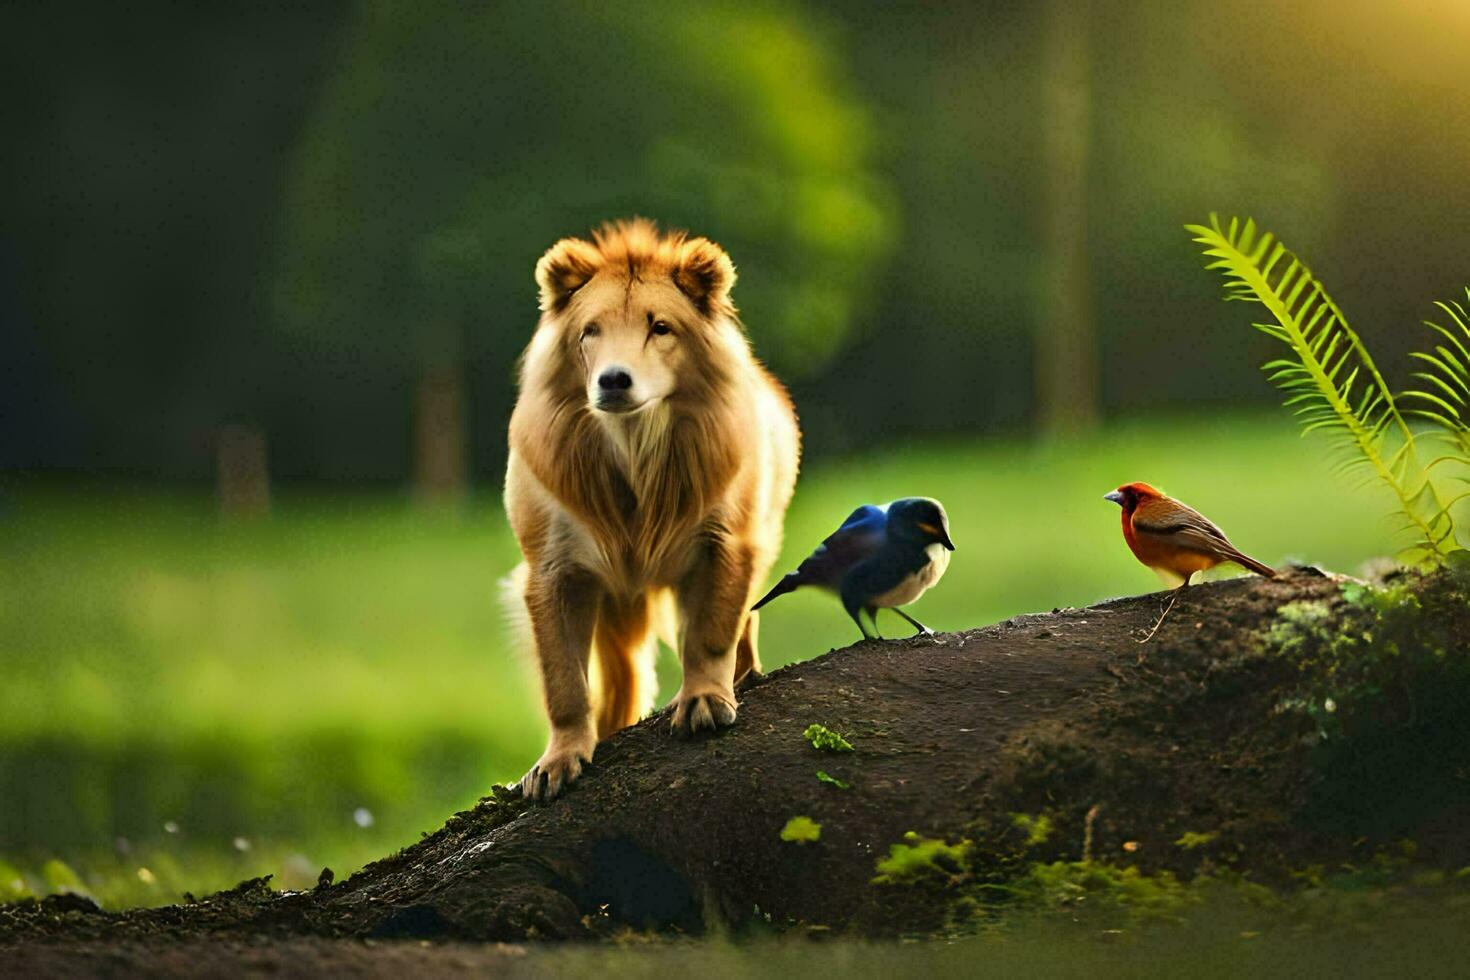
column 747, row 652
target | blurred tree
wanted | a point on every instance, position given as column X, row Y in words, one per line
column 242, row 471
column 144, row 147
column 429, row 157
column 453, row 144
column 954, row 89
column 1066, row 342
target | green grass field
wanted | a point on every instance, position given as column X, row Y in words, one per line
column 265, row 681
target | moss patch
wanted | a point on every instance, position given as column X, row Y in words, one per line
column 825, row 739
column 801, row 830
column 922, row 857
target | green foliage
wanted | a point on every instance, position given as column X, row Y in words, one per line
column 445, row 154
column 1299, row 623
column 801, row 830
column 1350, row 657
column 1332, row 382
column 158, row 873
column 1098, row 886
column 922, row 857
column 59, row 877
column 1386, row 694
column 1038, row 829
column 826, row 739
column 1126, row 899
column 1348, row 895
column 1447, row 377
column 12, row 883
column 822, row 777
column 1191, row 839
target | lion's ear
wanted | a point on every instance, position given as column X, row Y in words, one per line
column 564, row 269
column 705, row 274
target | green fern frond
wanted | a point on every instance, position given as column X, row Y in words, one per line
column 1330, row 380
column 1445, row 399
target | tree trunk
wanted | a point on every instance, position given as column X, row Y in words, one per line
column 440, row 439
column 1066, row 342
column 242, row 472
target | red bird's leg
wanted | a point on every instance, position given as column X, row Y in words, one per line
column 1164, row 615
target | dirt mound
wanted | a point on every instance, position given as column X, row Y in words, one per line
column 1124, row 749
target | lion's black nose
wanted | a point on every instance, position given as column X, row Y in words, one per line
column 615, row 379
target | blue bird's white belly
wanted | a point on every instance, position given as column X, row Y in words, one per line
column 919, row 582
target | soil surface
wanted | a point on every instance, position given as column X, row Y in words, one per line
column 1125, row 746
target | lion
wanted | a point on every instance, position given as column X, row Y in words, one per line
column 652, row 459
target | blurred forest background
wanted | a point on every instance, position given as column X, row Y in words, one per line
column 276, row 260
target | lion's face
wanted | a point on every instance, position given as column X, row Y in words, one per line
column 641, row 315
column 633, row 340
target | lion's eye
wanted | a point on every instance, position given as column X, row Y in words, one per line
column 591, row 330
column 661, row 328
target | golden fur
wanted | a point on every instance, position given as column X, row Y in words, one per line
column 665, row 509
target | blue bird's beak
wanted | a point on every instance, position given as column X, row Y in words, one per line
column 1116, row 497
column 939, row 533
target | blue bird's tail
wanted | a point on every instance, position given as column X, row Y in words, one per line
column 787, row 584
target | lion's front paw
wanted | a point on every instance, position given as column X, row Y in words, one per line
column 559, row 765
column 706, row 709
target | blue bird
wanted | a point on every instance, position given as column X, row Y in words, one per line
column 880, row 558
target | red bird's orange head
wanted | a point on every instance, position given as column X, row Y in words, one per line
column 1130, row 495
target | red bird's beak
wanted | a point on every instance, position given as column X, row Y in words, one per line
column 1116, row 497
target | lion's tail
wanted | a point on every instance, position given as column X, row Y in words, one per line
column 622, row 672
column 513, row 605
column 664, row 614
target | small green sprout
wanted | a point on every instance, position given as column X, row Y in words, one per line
column 826, row 739
column 822, row 777
column 801, row 830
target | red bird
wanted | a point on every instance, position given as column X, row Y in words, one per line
column 1173, row 539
